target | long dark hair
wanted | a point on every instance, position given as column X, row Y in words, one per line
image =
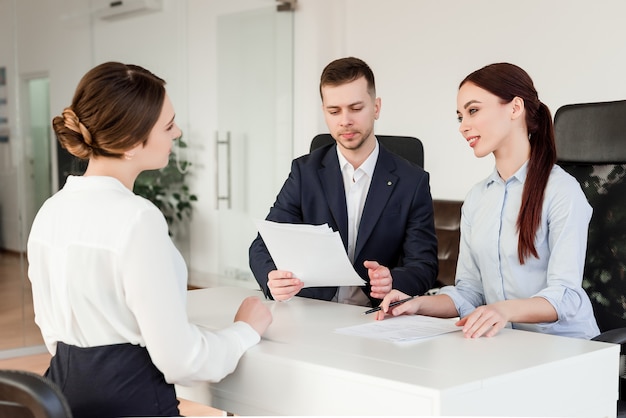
column 508, row 81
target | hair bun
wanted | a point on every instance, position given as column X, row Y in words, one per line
column 72, row 122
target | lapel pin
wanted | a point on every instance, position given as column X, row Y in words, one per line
column 388, row 183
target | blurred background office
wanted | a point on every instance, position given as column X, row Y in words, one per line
column 243, row 76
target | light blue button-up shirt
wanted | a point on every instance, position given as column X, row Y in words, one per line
column 489, row 271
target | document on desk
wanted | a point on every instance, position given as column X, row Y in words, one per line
column 313, row 253
column 402, row 328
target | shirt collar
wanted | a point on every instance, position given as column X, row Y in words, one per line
column 519, row 175
column 74, row 183
column 368, row 165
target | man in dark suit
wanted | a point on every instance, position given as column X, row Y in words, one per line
column 380, row 203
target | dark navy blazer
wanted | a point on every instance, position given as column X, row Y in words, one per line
column 397, row 225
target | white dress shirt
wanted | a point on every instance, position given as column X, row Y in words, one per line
column 105, row 271
column 356, row 185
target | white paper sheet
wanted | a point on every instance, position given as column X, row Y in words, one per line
column 313, row 253
column 402, row 328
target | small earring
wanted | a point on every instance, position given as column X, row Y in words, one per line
column 129, row 155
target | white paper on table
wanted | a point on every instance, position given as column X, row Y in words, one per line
column 313, row 253
column 402, row 328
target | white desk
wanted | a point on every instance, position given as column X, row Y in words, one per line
column 301, row 367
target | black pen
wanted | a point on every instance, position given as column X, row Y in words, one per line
column 391, row 305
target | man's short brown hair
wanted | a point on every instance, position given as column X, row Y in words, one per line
column 346, row 70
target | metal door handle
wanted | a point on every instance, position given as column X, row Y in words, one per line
column 218, row 195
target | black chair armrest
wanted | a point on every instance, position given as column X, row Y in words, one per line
column 22, row 391
column 616, row 336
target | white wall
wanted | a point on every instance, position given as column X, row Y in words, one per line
column 418, row 49
column 575, row 51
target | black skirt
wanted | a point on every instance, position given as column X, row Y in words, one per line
column 111, row 381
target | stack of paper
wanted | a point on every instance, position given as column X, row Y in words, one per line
column 313, row 253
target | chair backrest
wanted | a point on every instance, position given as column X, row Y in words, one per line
column 591, row 145
column 26, row 394
column 407, row 147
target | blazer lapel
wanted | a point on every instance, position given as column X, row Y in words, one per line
column 332, row 184
column 381, row 187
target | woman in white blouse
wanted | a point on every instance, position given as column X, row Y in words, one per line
column 109, row 287
column 523, row 228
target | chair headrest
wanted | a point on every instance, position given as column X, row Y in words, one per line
column 591, row 133
column 408, row 147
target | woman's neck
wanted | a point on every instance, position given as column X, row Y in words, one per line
column 117, row 168
column 511, row 157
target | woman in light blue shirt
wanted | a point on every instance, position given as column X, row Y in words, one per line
column 523, row 228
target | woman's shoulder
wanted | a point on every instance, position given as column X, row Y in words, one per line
column 563, row 190
column 561, row 177
column 561, row 182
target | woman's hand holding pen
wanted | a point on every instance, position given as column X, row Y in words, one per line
column 408, row 307
column 282, row 285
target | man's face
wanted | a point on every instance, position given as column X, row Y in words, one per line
column 350, row 112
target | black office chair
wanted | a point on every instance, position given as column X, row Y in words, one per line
column 25, row 394
column 591, row 145
column 408, row 147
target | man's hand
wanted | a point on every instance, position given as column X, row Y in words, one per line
column 282, row 285
column 380, row 279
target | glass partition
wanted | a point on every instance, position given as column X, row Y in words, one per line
column 254, row 138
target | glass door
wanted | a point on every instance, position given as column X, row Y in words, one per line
column 37, row 172
column 24, row 174
column 253, row 144
column 38, row 141
column 26, row 182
